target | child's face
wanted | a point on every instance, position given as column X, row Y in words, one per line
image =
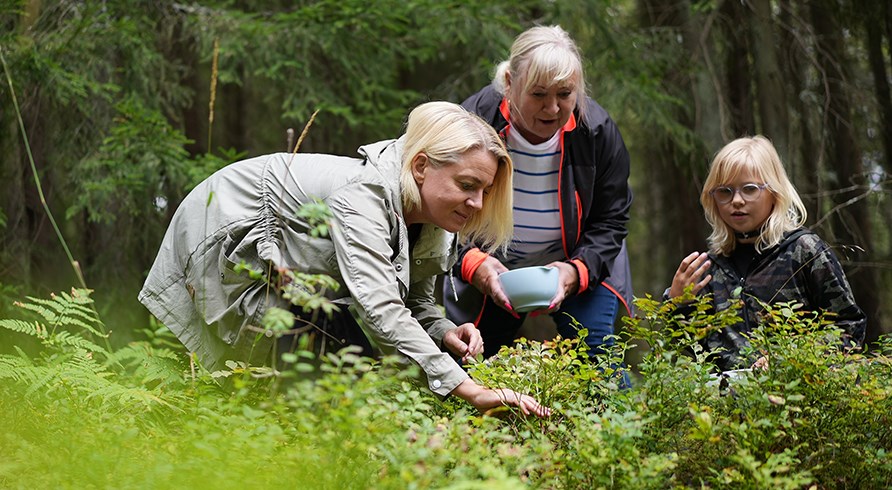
column 745, row 214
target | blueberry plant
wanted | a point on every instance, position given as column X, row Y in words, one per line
column 147, row 415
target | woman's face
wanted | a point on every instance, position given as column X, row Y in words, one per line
column 745, row 215
column 540, row 111
column 452, row 193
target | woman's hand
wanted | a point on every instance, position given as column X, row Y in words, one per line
column 568, row 284
column 691, row 269
column 486, row 280
column 485, row 399
column 464, row 341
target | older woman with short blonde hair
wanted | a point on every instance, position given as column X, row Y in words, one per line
column 571, row 197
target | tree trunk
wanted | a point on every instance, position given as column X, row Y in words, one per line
column 675, row 201
column 30, row 14
column 803, row 166
column 231, row 110
column 769, row 85
column 873, row 24
column 852, row 225
column 16, row 250
column 738, row 85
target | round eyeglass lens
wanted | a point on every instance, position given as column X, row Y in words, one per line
column 723, row 194
column 750, row 192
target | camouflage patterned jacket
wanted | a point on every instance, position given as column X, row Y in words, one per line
column 802, row 268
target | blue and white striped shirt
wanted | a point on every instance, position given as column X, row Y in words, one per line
column 537, row 217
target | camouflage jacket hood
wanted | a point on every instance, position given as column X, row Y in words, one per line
column 802, row 268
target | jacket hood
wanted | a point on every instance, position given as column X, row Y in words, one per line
column 385, row 155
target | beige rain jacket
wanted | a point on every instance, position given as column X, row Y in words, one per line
column 246, row 212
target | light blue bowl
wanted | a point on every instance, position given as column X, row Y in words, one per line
column 530, row 288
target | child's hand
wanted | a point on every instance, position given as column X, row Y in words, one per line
column 690, row 271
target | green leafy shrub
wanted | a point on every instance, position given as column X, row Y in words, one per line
column 147, row 416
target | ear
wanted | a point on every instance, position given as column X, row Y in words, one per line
column 507, row 82
column 419, row 165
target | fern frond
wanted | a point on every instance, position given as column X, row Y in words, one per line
column 17, row 369
column 66, row 310
column 39, row 377
column 64, row 338
column 151, row 365
column 130, row 395
column 33, row 329
column 64, row 370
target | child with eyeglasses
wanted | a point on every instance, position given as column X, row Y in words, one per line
column 759, row 251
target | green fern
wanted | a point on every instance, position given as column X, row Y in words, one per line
column 66, row 339
column 63, row 310
column 34, row 329
column 72, row 366
column 70, row 310
column 153, row 366
column 17, row 369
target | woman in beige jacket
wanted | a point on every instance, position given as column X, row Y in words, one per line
column 397, row 215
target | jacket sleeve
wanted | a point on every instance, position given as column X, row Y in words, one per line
column 605, row 227
column 361, row 229
column 829, row 290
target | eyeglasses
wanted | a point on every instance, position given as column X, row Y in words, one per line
column 749, row 192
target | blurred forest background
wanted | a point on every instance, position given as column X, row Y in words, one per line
column 128, row 104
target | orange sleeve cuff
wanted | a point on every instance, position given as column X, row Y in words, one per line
column 583, row 275
column 471, row 262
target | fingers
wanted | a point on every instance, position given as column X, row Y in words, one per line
column 486, row 277
column 690, row 271
column 527, row 404
column 500, row 298
column 506, row 305
column 700, row 285
column 534, row 407
column 474, row 341
column 523, row 407
column 475, row 347
column 454, row 343
column 486, row 280
column 686, row 262
column 553, row 305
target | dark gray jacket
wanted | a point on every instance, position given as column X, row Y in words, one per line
column 802, row 268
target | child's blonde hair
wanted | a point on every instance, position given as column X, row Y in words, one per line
column 757, row 155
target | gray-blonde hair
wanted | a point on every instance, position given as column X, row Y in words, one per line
column 759, row 156
column 543, row 55
column 445, row 132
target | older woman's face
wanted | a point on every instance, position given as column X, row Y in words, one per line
column 452, row 193
column 540, row 111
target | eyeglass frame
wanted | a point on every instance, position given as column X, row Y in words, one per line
column 737, row 190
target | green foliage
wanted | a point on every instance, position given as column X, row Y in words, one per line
column 73, row 367
column 815, row 416
column 810, row 416
column 126, row 171
column 318, row 216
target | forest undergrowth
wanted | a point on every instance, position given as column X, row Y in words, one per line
column 78, row 413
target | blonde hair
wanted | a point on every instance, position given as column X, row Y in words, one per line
column 757, row 155
column 543, row 56
column 445, row 132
